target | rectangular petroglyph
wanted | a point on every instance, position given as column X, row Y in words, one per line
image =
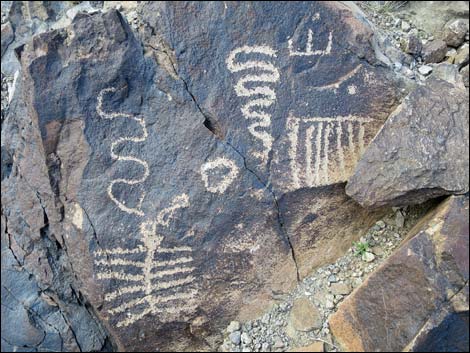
column 320, row 147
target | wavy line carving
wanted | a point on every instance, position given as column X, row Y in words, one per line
column 256, row 86
column 120, row 157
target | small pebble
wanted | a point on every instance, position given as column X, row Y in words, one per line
column 425, row 70
column 332, row 279
column 398, row 65
column 235, row 337
column 245, row 338
column 368, row 257
column 399, row 219
column 233, row 326
column 381, row 224
column 278, row 343
column 405, row 26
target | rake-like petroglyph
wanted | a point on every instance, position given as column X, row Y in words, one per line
column 256, row 83
column 121, row 157
column 319, row 148
column 162, row 276
column 309, row 46
column 219, row 164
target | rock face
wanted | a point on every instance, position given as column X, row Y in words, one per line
column 151, row 184
column 299, row 125
column 420, row 153
column 418, row 298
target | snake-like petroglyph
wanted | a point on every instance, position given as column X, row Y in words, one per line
column 314, row 159
column 121, row 157
column 256, row 84
column 215, row 165
column 164, row 287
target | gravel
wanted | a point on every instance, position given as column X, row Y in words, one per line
column 326, row 288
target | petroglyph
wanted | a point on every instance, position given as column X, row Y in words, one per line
column 337, row 84
column 167, row 214
column 120, row 157
column 228, row 177
column 309, row 51
column 164, row 287
column 352, row 89
column 315, row 159
column 255, row 84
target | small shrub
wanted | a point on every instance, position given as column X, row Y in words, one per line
column 360, row 248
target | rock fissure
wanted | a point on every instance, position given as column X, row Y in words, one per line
column 9, row 242
column 251, row 171
column 213, row 126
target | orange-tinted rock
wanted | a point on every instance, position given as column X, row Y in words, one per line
column 304, row 315
column 404, row 293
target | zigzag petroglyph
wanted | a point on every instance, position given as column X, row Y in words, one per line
column 313, row 157
column 120, row 157
column 255, row 84
column 164, row 286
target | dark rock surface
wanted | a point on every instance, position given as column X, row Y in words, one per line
column 42, row 308
column 418, row 298
column 156, row 187
column 294, row 101
column 421, row 151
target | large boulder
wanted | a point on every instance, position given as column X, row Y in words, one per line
column 418, row 298
column 163, row 185
column 268, row 88
column 420, row 153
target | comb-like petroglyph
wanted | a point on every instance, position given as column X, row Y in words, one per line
column 164, row 282
column 121, row 157
column 256, row 83
column 319, row 147
column 210, row 171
